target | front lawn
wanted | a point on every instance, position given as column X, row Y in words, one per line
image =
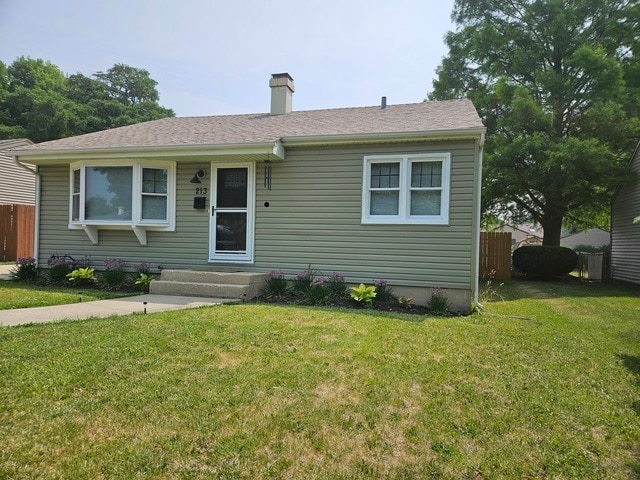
column 27, row 295
column 545, row 384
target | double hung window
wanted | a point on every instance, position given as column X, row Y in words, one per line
column 410, row 188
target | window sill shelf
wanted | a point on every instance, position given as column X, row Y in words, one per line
column 140, row 231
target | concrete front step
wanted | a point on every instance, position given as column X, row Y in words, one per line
column 240, row 285
column 224, row 278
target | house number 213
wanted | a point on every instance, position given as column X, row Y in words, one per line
column 201, row 191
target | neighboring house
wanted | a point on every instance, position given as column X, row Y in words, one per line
column 17, row 183
column 625, row 234
column 387, row 192
column 594, row 237
column 525, row 234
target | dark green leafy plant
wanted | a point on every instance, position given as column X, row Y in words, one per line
column 439, row 303
column 544, row 261
column 384, row 293
column 114, row 275
column 337, row 286
column 304, row 279
column 275, row 284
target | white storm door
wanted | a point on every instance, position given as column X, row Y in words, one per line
column 232, row 213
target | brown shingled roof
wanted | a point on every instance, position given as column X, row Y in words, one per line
column 264, row 128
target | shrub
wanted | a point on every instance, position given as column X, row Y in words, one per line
column 275, row 284
column 337, row 286
column 439, row 303
column 384, row 293
column 82, row 276
column 544, row 261
column 143, row 282
column 114, row 275
column 591, row 249
column 318, row 293
column 364, row 295
column 304, row 279
column 26, row 270
column 58, row 269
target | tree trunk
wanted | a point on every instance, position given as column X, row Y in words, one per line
column 552, row 225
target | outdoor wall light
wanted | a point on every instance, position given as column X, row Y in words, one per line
column 196, row 178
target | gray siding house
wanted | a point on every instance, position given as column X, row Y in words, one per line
column 625, row 234
column 387, row 192
column 17, row 183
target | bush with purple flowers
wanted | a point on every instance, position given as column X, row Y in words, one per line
column 114, row 275
column 275, row 285
column 337, row 285
column 59, row 267
column 26, row 270
column 303, row 281
column 384, row 293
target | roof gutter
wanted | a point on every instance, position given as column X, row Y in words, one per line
column 342, row 139
column 271, row 150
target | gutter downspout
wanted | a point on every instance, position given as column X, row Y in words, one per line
column 476, row 234
column 36, row 229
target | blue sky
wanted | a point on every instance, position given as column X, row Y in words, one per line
column 215, row 57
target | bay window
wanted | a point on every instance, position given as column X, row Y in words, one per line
column 122, row 195
column 411, row 188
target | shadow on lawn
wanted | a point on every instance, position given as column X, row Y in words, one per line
column 571, row 288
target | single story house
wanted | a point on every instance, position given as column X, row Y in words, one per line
column 384, row 192
column 17, row 182
column 625, row 232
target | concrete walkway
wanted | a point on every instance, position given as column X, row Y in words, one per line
column 105, row 308
column 100, row 308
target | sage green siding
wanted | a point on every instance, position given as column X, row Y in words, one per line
column 313, row 218
column 625, row 235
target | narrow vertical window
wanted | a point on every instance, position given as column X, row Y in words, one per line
column 426, row 188
column 154, row 194
column 385, row 188
column 75, row 196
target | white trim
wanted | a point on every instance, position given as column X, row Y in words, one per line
column 271, row 150
column 404, row 217
column 242, row 258
column 138, row 225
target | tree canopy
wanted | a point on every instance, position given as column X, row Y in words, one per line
column 557, row 84
column 38, row 101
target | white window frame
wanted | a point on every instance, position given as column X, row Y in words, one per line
column 404, row 208
column 137, row 223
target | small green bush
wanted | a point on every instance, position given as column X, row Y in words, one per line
column 303, row 281
column 144, row 281
column 364, row 295
column 544, row 261
column 82, row 276
column 384, row 293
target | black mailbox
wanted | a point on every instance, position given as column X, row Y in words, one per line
column 200, row 203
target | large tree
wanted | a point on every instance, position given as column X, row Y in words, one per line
column 554, row 83
column 38, row 101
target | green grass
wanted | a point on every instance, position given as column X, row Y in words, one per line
column 545, row 384
column 27, row 295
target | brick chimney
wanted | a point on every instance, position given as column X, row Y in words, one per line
column 281, row 92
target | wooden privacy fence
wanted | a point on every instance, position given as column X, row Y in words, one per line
column 17, row 224
column 495, row 255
